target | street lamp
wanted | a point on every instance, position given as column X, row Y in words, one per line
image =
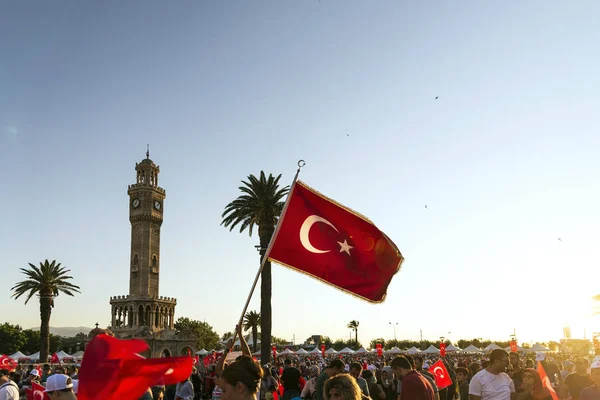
column 394, row 326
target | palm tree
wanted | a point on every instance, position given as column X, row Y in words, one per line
column 46, row 282
column 259, row 205
column 252, row 322
column 354, row 326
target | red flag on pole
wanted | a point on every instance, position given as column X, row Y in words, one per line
column 440, row 373
column 323, row 350
column 55, row 359
column 379, row 348
column 334, row 244
column 546, row 382
column 443, row 349
column 37, row 392
column 513, row 346
column 274, row 351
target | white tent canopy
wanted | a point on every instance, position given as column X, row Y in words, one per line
column 18, row 355
column 61, row 354
column 346, row 350
column 432, row 350
column 413, row 350
column 394, row 350
column 315, row 351
column 35, row 356
column 202, row 352
column 451, row 348
column 537, row 347
column 492, row 346
column 330, row 350
column 472, row 349
column 302, row 351
column 79, row 354
column 287, row 352
column 519, row 349
column 362, row 350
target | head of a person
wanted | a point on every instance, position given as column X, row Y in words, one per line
column 462, row 374
column 498, row 361
column 386, row 373
column 4, row 376
column 531, row 380
column 401, row 366
column 474, row 368
column 336, row 366
column 287, row 363
column 59, row 370
column 34, row 375
column 581, row 365
column 368, row 376
column 355, row 370
column 341, row 387
column 412, row 361
column 595, row 372
column 515, row 360
column 529, row 363
column 60, row 387
column 567, row 366
column 418, row 362
column 241, row 379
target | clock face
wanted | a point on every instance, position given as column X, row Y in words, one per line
column 135, row 203
column 157, row 205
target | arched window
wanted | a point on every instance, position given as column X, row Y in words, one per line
column 154, row 261
column 136, row 260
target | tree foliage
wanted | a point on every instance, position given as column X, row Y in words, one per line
column 12, row 338
column 206, row 337
column 251, row 323
column 340, row 344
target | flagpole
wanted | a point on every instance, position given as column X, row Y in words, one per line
column 301, row 164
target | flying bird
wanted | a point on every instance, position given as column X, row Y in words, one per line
column 559, row 239
column 437, row 97
column 425, row 205
column 347, row 135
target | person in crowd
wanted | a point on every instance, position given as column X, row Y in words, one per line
column 462, row 376
column 341, row 387
column 290, row 379
column 184, row 390
column 241, row 379
column 567, row 369
column 355, row 371
column 60, row 387
column 428, row 376
column 516, row 373
column 310, row 388
column 414, row 385
column 376, row 391
column 9, row 390
column 493, row 383
column 388, row 383
column 474, row 368
column 592, row 392
column 578, row 380
column 267, row 382
column 335, row 367
column 532, row 387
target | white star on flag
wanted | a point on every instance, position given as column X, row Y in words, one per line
column 345, row 247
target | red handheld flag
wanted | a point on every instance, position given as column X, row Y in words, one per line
column 323, row 350
column 546, row 382
column 443, row 349
column 440, row 373
column 274, row 351
column 8, row 363
column 37, row 392
column 335, row 245
column 55, row 359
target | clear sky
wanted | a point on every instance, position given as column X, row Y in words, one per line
column 506, row 159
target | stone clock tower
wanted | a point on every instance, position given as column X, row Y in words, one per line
column 143, row 313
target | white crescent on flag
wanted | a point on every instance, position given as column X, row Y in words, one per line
column 439, row 371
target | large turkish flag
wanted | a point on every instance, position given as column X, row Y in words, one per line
column 334, row 244
column 441, row 375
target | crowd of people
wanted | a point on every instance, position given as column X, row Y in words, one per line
column 497, row 375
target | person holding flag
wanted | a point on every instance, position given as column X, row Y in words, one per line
column 414, row 385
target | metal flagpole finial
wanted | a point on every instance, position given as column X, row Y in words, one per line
column 301, row 163
column 148, row 151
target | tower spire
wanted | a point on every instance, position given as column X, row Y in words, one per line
column 148, row 151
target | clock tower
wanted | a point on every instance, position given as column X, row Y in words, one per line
column 143, row 313
column 146, row 200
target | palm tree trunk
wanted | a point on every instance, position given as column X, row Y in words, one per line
column 356, row 337
column 45, row 310
column 254, row 338
column 265, row 299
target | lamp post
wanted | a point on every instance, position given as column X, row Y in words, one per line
column 394, row 326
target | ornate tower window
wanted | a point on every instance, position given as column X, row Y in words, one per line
column 154, row 261
column 136, row 260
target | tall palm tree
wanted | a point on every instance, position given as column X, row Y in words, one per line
column 354, row 326
column 45, row 281
column 252, row 322
column 259, row 205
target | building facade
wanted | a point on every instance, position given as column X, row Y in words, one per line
column 143, row 313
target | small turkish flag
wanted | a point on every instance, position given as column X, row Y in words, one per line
column 334, row 244
column 440, row 373
column 8, row 363
column 196, row 360
column 37, row 392
column 513, row 346
column 443, row 349
column 323, row 350
column 55, row 359
column 379, row 348
column 546, row 382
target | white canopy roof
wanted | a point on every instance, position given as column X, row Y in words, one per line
column 432, row 350
column 452, row 347
column 330, row 351
column 302, row 351
column 79, row 354
column 34, row 356
column 394, row 350
column 413, row 350
column 346, row 350
column 472, row 349
column 362, row 350
column 492, row 346
column 202, row 352
column 519, row 349
column 315, row 351
column 18, row 355
column 61, row 354
column 537, row 347
column 287, row 351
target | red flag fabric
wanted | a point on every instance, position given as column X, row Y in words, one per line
column 323, row 350
column 112, row 369
column 55, row 359
column 335, row 245
column 8, row 363
column 36, row 392
column 440, row 373
column 189, row 352
column 274, row 349
column 546, row 382
column 513, row 346
column 443, row 349
column 379, row 348
column 196, row 360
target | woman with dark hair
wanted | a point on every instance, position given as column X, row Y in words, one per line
column 342, row 387
column 532, row 387
column 240, row 380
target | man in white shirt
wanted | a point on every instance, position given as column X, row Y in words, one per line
column 8, row 389
column 493, row 383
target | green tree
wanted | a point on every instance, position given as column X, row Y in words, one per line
column 259, row 205
column 55, row 343
column 32, row 341
column 252, row 322
column 46, row 282
column 354, row 326
column 227, row 335
column 12, row 338
column 278, row 342
column 206, row 337
column 339, row 344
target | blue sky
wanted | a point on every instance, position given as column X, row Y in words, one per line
column 506, row 157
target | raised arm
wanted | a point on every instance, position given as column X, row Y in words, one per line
column 243, row 345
